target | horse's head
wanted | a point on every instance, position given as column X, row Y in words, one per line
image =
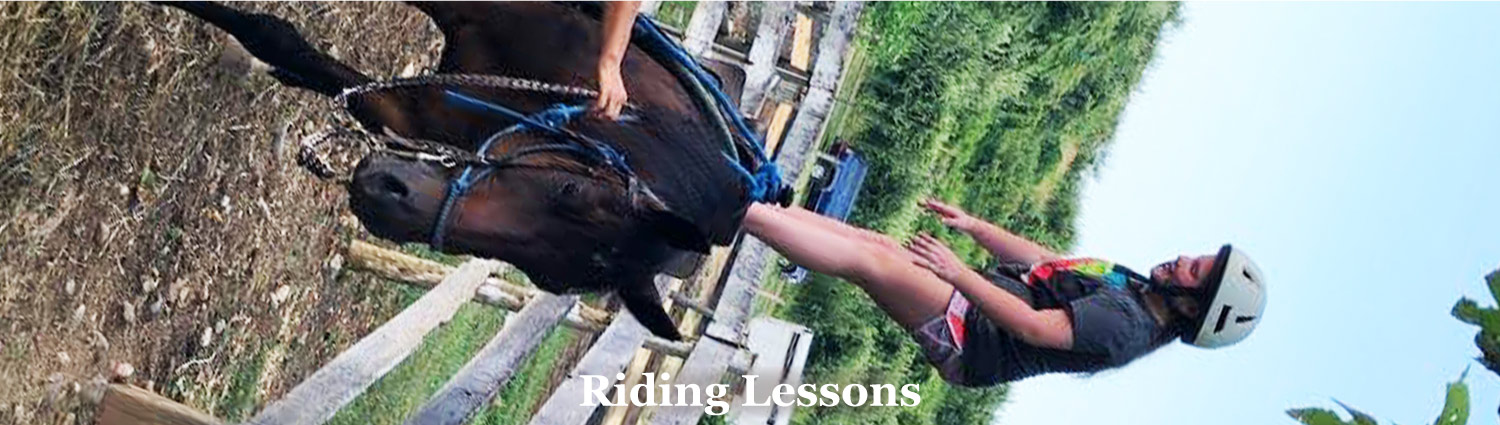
column 547, row 206
column 569, row 226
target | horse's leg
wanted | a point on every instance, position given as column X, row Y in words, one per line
column 276, row 42
column 296, row 63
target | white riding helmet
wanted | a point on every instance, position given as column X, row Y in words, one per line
column 1233, row 296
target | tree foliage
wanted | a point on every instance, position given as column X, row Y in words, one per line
column 1455, row 410
column 1488, row 320
column 1456, row 404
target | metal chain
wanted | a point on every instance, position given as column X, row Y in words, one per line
column 420, row 150
column 469, row 80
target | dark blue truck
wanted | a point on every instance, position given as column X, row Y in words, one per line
column 836, row 180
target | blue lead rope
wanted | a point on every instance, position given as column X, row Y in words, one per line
column 550, row 120
column 765, row 182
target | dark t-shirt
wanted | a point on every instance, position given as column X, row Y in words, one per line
column 1110, row 328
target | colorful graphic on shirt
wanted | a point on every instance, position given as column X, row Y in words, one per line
column 1092, row 268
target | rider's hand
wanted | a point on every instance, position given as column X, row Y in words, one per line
column 951, row 216
column 932, row 254
column 612, row 94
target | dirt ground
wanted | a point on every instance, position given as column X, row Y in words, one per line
column 151, row 211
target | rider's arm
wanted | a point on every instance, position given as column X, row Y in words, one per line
column 1006, row 245
column 1047, row 328
column 999, row 242
column 619, row 18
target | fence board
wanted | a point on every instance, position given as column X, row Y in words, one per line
column 318, row 397
column 481, row 379
column 127, row 405
column 609, row 355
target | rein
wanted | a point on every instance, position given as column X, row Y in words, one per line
column 552, row 121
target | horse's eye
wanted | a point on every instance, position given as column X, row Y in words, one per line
column 569, row 189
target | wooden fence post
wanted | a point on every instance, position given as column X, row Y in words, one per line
column 649, row 8
column 775, row 20
column 802, row 137
column 127, row 405
column 699, row 36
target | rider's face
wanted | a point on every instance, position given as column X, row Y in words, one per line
column 1185, row 271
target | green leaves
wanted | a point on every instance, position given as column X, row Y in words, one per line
column 1488, row 321
column 1494, row 283
column 1455, row 410
column 1456, row 405
column 1316, row 416
column 1468, row 311
column 1360, row 418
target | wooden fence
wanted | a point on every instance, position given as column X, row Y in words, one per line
column 317, row 398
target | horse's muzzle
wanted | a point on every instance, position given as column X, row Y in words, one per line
column 395, row 198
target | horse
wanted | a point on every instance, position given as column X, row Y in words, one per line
column 589, row 206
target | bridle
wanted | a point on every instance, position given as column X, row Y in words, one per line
column 552, row 122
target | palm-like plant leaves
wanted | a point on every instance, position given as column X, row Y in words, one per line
column 1488, row 321
column 1456, row 406
column 1456, row 403
column 1455, row 410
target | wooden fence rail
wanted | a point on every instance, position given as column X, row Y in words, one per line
column 321, row 395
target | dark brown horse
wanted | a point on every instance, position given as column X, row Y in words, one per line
column 571, row 224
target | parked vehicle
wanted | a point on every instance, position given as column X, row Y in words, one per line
column 836, row 179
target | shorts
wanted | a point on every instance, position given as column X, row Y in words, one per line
column 942, row 339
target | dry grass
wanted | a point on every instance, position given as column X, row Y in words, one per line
column 138, row 174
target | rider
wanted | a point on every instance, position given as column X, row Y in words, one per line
column 619, row 18
column 1034, row 314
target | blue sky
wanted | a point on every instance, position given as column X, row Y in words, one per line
column 1354, row 150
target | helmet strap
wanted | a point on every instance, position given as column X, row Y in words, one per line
column 1178, row 300
column 1171, row 297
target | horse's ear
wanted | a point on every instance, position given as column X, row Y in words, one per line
column 673, row 228
column 641, row 298
column 678, row 232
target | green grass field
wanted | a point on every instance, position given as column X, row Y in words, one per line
column 441, row 354
column 1001, row 108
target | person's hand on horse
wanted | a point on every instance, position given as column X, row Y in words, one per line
column 612, row 95
column 950, row 215
column 619, row 17
column 932, row 254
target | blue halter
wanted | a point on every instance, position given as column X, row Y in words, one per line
column 551, row 121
